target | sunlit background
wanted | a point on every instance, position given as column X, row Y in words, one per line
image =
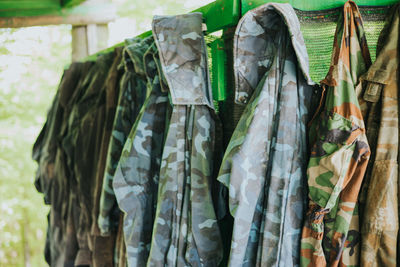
column 31, row 64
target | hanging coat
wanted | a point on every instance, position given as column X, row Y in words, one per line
column 133, row 92
column 102, row 247
column 380, row 217
column 339, row 154
column 136, row 178
column 45, row 148
column 264, row 166
column 185, row 230
column 65, row 208
column 81, row 145
column 51, row 179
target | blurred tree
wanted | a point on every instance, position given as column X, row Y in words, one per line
column 31, row 64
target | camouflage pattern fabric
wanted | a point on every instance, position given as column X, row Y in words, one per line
column 133, row 92
column 44, row 150
column 52, row 175
column 65, row 206
column 120, row 259
column 45, row 147
column 380, row 106
column 136, row 178
column 82, row 144
column 185, row 230
column 102, row 247
column 264, row 166
column 339, row 154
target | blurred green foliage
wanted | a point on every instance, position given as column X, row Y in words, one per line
column 31, row 64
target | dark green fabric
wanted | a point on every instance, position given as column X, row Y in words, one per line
column 82, row 146
column 102, row 247
column 133, row 92
column 52, row 176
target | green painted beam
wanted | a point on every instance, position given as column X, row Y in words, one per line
column 218, row 57
column 84, row 14
column 31, row 12
column 70, row 3
column 30, row 8
column 27, row 4
column 44, row 4
column 18, row 8
column 220, row 14
column 313, row 5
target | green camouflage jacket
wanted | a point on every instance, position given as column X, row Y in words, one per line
column 65, row 206
column 45, row 147
column 380, row 107
column 52, row 175
column 136, row 178
column 82, row 147
column 264, row 166
column 185, row 230
column 339, row 154
column 102, row 247
column 133, row 92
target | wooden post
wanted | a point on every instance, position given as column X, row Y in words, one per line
column 102, row 36
column 79, row 43
column 88, row 39
column 89, row 22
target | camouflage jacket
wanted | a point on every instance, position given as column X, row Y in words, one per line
column 264, row 166
column 102, row 247
column 339, row 154
column 185, row 230
column 136, row 178
column 45, row 147
column 65, row 206
column 82, row 147
column 52, row 176
column 380, row 107
column 133, row 92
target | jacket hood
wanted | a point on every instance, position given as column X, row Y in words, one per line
column 255, row 45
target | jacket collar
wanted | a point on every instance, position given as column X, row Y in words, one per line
column 133, row 54
column 183, row 58
column 384, row 70
column 153, row 70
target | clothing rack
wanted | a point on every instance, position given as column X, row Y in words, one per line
column 223, row 14
column 289, row 182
